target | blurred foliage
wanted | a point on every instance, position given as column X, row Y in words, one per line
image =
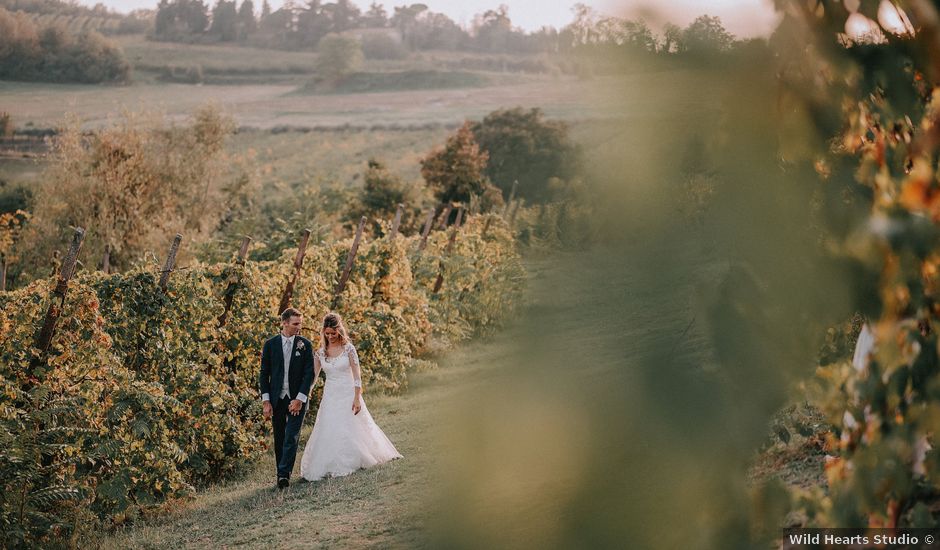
column 651, row 365
column 863, row 79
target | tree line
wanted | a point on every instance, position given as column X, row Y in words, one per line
column 416, row 27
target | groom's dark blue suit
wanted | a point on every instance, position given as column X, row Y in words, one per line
column 299, row 380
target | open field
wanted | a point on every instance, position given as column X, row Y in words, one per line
column 148, row 56
column 302, row 158
column 269, row 106
column 396, row 127
column 233, row 60
column 20, row 169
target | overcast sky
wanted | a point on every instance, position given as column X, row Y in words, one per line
column 744, row 18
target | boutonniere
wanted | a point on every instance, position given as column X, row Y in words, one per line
column 300, row 344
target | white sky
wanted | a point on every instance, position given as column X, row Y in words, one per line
column 744, row 18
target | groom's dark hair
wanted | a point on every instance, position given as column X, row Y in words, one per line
column 290, row 312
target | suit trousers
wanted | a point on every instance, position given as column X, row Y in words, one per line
column 286, row 436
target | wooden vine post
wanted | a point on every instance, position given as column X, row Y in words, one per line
column 170, row 263
column 288, row 293
column 450, row 246
column 428, row 222
column 445, row 217
column 350, row 258
column 229, row 295
column 396, row 222
column 3, row 273
column 106, row 260
column 229, row 362
column 44, row 339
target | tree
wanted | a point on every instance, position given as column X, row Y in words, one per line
column 338, row 57
column 225, row 21
column 53, row 54
column 313, row 23
column 176, row 19
column 92, row 58
column 381, row 194
column 343, row 14
column 195, row 14
column 706, row 35
column 278, row 23
column 583, row 28
column 246, row 24
column 405, row 19
column 19, row 44
column 376, row 17
column 164, row 19
column 672, row 39
column 522, row 146
column 265, row 9
column 436, row 31
column 493, row 29
column 457, row 171
column 638, row 36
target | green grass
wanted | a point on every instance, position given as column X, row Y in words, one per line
column 20, row 170
column 231, row 64
column 255, row 65
column 363, row 82
column 309, row 158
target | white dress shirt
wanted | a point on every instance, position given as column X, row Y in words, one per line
column 287, row 344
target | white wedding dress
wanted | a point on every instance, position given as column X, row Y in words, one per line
column 343, row 442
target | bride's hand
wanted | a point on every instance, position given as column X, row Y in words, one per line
column 356, row 407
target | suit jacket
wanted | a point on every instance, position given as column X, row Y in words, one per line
column 300, row 375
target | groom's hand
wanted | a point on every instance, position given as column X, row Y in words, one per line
column 295, row 406
column 267, row 409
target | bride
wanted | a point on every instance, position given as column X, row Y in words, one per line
column 344, row 437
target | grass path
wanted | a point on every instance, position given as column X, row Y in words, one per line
column 381, row 506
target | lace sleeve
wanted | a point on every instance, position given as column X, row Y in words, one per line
column 354, row 365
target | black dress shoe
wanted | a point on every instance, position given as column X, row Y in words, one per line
column 282, row 483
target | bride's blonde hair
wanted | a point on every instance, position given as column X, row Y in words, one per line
column 333, row 320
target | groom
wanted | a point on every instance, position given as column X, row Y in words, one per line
column 286, row 377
